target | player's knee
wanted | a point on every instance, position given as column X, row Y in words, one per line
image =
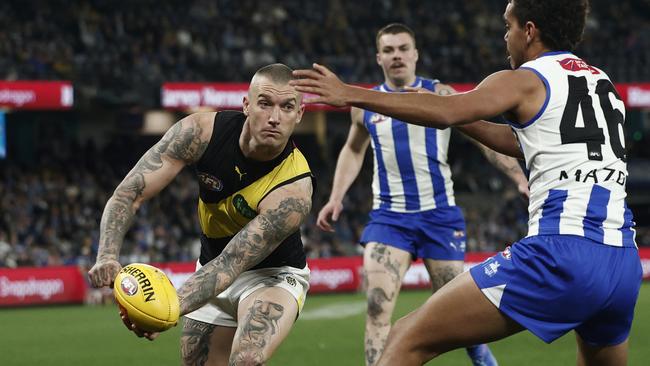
column 194, row 342
column 378, row 303
column 403, row 341
column 248, row 357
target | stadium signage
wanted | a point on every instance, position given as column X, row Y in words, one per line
column 36, row 95
column 638, row 96
column 184, row 96
column 55, row 285
column 195, row 95
column 47, row 285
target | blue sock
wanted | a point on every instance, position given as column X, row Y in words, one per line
column 481, row 356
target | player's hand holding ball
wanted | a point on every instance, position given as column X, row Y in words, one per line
column 147, row 300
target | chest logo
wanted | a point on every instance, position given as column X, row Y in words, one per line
column 242, row 207
column 241, row 175
column 210, row 182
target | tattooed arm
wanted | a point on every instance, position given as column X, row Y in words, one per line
column 280, row 214
column 183, row 144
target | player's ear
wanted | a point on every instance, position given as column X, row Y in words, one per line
column 301, row 112
column 417, row 55
column 531, row 31
column 378, row 59
column 246, row 104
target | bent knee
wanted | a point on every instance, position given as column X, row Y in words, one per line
column 403, row 340
column 379, row 302
column 250, row 357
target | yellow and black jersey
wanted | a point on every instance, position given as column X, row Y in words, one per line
column 231, row 187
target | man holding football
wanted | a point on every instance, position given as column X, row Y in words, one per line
column 255, row 192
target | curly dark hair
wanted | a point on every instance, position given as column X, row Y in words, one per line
column 561, row 22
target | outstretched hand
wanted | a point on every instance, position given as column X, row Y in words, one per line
column 103, row 273
column 322, row 82
column 330, row 212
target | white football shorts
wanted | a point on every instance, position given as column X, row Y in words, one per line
column 223, row 310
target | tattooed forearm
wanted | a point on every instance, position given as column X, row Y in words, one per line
column 249, row 247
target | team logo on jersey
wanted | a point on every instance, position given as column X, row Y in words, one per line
column 491, row 268
column 378, row 118
column 506, row 253
column 290, row 280
column 242, row 207
column 210, row 182
column 238, row 171
column 576, row 64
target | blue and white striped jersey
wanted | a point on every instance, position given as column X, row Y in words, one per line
column 411, row 172
column 575, row 151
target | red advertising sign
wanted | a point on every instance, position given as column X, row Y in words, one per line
column 181, row 96
column 42, row 285
column 45, row 95
column 342, row 274
column 635, row 95
column 56, row 285
column 335, row 274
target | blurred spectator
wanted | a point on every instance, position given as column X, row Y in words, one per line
column 120, row 52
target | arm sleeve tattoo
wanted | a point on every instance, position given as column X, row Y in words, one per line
column 249, row 247
column 182, row 143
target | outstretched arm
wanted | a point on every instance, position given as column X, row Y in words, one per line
column 498, row 93
column 183, row 144
column 281, row 214
column 348, row 166
column 497, row 137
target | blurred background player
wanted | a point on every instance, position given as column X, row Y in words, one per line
column 255, row 192
column 578, row 268
column 414, row 213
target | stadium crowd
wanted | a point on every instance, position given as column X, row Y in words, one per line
column 121, row 54
column 50, row 209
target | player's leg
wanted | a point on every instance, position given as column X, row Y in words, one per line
column 384, row 267
column 441, row 272
column 265, row 318
column 458, row 315
column 589, row 355
column 441, row 244
column 205, row 344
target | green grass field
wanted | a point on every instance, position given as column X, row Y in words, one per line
column 76, row 335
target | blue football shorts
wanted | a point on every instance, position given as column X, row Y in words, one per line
column 433, row 234
column 551, row 284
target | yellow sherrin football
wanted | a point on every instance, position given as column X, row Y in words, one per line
column 147, row 296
